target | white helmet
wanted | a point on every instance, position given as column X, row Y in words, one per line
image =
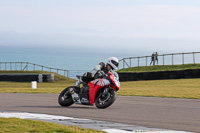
column 113, row 62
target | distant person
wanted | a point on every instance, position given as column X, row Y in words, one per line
column 152, row 59
column 156, row 57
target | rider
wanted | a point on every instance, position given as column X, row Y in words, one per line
column 99, row 71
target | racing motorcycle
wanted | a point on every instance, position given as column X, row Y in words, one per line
column 102, row 92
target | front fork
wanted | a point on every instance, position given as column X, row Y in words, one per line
column 105, row 92
column 75, row 96
column 105, row 95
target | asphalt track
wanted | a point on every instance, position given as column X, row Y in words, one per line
column 165, row 113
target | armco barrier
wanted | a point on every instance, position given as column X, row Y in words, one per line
column 27, row 77
column 179, row 74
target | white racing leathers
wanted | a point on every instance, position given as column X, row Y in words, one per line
column 88, row 76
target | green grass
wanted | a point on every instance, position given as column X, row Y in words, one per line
column 24, row 87
column 178, row 88
column 57, row 86
column 160, row 68
column 15, row 125
column 57, row 77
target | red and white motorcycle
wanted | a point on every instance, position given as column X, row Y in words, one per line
column 101, row 91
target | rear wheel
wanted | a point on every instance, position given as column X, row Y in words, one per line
column 65, row 98
column 104, row 101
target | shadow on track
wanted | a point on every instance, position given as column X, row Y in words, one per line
column 71, row 107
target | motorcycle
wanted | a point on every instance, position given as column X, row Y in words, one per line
column 102, row 92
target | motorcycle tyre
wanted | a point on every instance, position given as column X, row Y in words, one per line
column 107, row 104
column 67, row 102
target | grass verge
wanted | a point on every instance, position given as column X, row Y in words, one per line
column 15, row 125
column 176, row 88
column 57, row 86
column 160, row 68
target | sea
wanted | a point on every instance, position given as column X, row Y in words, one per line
column 78, row 58
column 68, row 58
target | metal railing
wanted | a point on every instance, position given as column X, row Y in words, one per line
column 163, row 59
column 26, row 66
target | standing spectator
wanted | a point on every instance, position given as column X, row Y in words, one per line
column 152, row 59
column 156, row 57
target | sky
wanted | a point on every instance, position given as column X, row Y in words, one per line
column 124, row 25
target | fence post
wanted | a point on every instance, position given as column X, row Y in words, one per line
column 183, row 58
column 163, row 60
column 27, row 66
column 130, row 61
column 5, row 66
column 193, row 58
column 146, row 60
column 123, row 64
column 67, row 73
column 16, row 66
column 10, row 65
column 33, row 67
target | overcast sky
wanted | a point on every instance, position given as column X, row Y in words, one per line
column 142, row 25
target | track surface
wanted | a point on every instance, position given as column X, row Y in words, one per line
column 166, row 113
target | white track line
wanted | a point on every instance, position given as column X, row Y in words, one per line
column 47, row 117
column 140, row 131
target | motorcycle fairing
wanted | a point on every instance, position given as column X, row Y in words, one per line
column 114, row 82
column 95, row 86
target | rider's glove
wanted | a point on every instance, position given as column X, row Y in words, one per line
column 99, row 74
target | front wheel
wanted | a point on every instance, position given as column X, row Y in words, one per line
column 65, row 98
column 104, row 101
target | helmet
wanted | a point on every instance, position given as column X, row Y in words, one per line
column 113, row 62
